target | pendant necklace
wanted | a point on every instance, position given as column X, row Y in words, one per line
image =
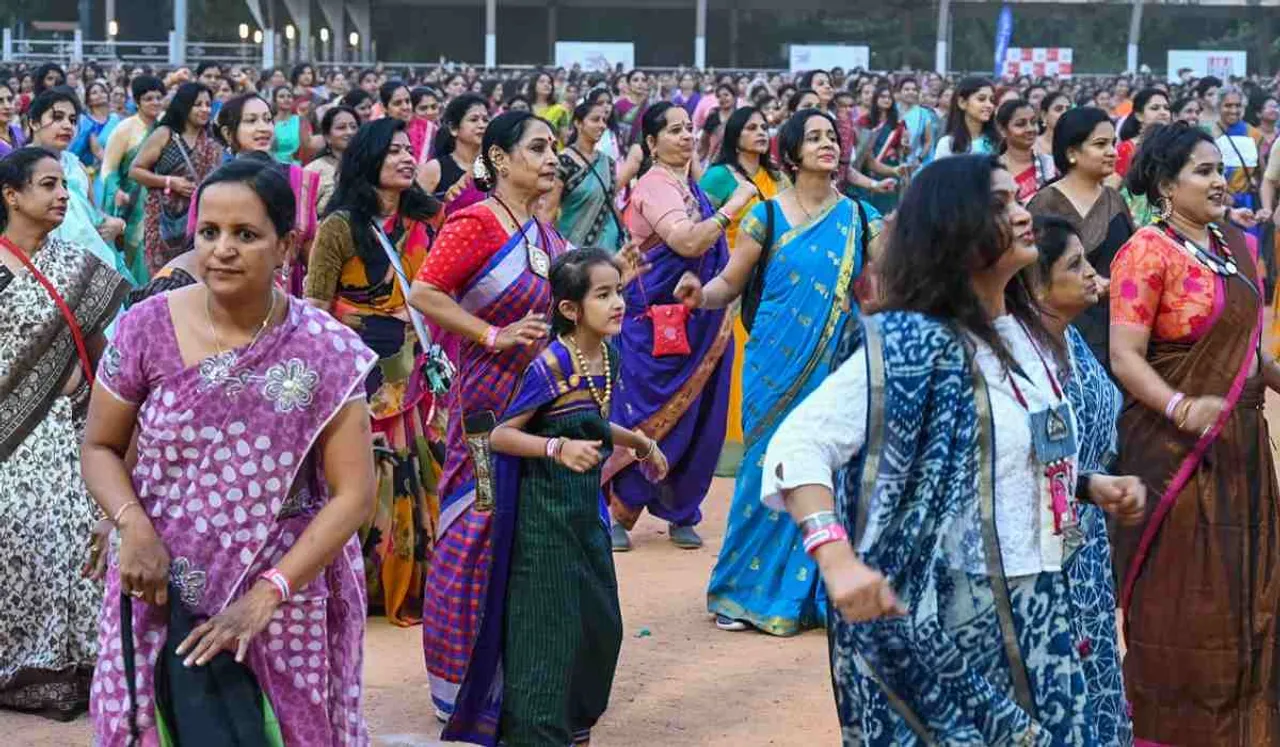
column 539, row 260
column 220, row 365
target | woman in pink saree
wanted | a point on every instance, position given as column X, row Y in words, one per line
column 253, row 473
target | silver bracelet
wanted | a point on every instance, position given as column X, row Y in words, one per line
column 817, row 520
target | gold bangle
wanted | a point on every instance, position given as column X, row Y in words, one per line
column 1183, row 412
column 649, row 452
column 120, row 511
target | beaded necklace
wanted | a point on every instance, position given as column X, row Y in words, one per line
column 1224, row 265
column 601, row 399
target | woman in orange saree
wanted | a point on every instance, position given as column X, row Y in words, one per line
column 1199, row 577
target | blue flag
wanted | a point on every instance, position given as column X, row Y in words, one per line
column 1004, row 32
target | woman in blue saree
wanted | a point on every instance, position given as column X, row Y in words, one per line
column 1065, row 285
column 763, row 578
column 934, row 476
column 677, row 394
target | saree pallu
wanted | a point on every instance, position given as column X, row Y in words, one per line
column 681, row 401
column 531, row 683
column 132, row 241
column 422, row 133
column 1201, row 577
column 227, row 472
column 980, row 658
column 16, row 139
column 1103, row 230
column 1095, row 401
column 763, row 575
column 205, row 156
column 587, row 216
column 501, row 293
column 47, row 610
column 630, row 115
column 80, row 225
column 891, row 147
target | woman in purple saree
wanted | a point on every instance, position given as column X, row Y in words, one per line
column 253, row 473
column 681, row 400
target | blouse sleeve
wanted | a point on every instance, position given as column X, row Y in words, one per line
column 820, row 436
column 1138, row 275
column 753, row 224
column 943, row 148
column 661, row 205
column 1273, row 163
column 329, row 253
column 122, row 370
column 456, row 256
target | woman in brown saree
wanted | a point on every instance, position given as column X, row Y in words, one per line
column 1084, row 152
column 1200, row 578
column 48, row 612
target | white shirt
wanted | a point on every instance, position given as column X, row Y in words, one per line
column 825, row 431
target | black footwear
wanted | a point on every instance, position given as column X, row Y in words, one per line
column 620, row 539
column 685, row 538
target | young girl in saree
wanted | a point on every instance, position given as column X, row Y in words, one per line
column 552, row 558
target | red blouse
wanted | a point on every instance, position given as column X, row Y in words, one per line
column 469, row 238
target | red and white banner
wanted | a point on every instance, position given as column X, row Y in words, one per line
column 1054, row 62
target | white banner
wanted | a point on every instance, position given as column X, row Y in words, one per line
column 1216, row 62
column 806, row 57
column 1038, row 62
column 598, row 56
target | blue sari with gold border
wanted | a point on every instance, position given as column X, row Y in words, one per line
column 763, row 575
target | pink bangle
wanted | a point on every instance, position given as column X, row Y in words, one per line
column 1174, row 401
column 167, row 190
column 278, row 580
column 824, row 536
column 491, row 338
column 553, row 447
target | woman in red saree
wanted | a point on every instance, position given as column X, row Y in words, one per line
column 1199, row 578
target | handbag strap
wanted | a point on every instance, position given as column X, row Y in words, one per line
column 77, row 335
column 608, row 193
column 130, row 667
column 415, row 316
column 1231, row 140
column 182, row 149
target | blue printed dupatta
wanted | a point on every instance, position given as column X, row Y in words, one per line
column 553, row 388
column 981, row 658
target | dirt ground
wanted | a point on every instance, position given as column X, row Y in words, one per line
column 680, row 681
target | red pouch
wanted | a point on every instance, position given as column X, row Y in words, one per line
column 670, row 333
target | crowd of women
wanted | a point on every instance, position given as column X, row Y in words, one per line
column 426, row 350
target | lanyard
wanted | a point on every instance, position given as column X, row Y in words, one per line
column 1013, row 377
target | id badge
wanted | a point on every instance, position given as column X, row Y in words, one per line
column 1053, row 435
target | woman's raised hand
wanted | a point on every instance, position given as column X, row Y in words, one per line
column 527, row 331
